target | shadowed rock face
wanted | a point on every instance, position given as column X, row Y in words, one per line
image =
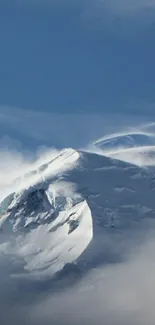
column 4, row 205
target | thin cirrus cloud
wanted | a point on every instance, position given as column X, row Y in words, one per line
column 127, row 6
column 118, row 6
column 119, row 15
column 59, row 130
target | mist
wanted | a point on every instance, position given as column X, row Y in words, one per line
column 116, row 294
column 119, row 294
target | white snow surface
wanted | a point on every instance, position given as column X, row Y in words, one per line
column 57, row 214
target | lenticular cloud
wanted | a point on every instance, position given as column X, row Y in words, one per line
column 136, row 145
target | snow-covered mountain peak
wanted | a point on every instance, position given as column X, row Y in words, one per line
column 64, row 205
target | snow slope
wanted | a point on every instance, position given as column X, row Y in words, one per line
column 62, row 208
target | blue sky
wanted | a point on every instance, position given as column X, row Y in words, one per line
column 77, row 58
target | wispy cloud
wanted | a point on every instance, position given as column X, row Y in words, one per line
column 122, row 17
column 116, row 6
column 133, row 145
column 59, row 130
column 127, row 6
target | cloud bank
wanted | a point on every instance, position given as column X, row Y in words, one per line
column 118, row 294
